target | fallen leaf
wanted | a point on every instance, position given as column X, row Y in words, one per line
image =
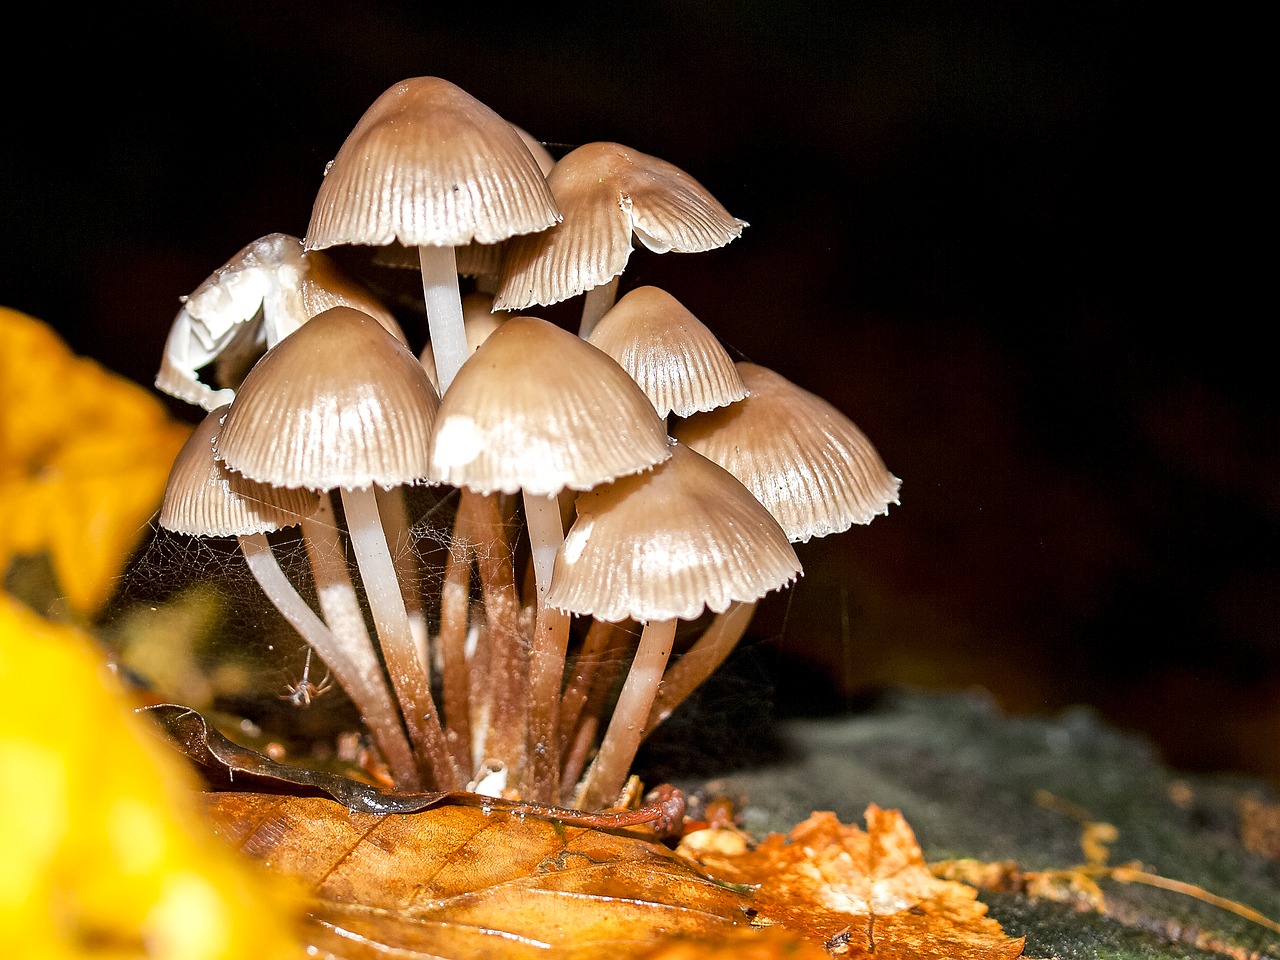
column 461, row 882
column 865, row 894
column 84, row 458
column 457, row 882
column 105, row 851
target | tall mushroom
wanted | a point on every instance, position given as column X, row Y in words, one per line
column 609, row 195
column 656, row 547
column 431, row 167
column 342, row 405
column 205, row 499
column 536, row 411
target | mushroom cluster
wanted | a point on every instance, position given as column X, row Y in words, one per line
column 648, row 478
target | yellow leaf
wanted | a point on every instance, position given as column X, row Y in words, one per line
column 105, row 852
column 84, row 458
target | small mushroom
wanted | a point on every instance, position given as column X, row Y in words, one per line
column 205, row 499
column 810, row 466
column 248, row 305
column 342, row 405
column 656, row 547
column 610, row 195
column 431, row 167
column 670, row 353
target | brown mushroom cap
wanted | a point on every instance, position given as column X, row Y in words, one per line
column 670, row 353
column 669, row 543
column 807, row 462
column 205, row 499
column 607, row 194
column 429, row 165
column 538, row 409
column 338, row 403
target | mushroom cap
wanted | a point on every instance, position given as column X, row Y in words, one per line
column 670, row 353
column 205, row 499
column 807, row 462
column 338, row 403
column 234, row 293
column 609, row 194
column 538, row 409
column 669, row 543
column 429, row 165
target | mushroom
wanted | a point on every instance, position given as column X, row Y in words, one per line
column 536, row 411
column 342, row 405
column 431, row 167
column 609, row 195
column 248, row 305
column 205, row 499
column 657, row 547
column 670, row 353
column 810, row 466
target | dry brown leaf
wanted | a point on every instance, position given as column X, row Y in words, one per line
column 865, row 894
column 454, row 882
column 459, row 883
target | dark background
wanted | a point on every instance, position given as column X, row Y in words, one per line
column 1012, row 241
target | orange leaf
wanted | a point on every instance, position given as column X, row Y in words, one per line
column 864, row 894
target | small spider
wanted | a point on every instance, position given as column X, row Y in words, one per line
column 304, row 691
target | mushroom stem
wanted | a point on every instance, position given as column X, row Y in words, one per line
column 582, row 706
column 395, row 524
column 547, row 658
column 444, row 311
column 508, row 677
column 608, row 772
column 699, row 661
column 455, row 610
column 596, row 302
column 345, row 621
column 408, row 676
column 360, row 678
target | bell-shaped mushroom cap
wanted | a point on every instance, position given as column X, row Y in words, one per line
column 339, row 403
column 538, row 409
column 205, row 499
column 669, row 543
column 429, row 165
column 802, row 458
column 608, row 193
column 670, row 353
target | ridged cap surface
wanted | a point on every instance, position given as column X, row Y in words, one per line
column 338, row 403
column 429, row 165
column 536, row 408
column 806, row 461
column 668, row 543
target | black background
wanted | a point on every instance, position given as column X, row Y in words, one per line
column 1015, row 242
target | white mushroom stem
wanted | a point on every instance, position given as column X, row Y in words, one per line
column 360, row 677
column 547, row 658
column 596, row 302
column 699, row 661
column 395, row 524
column 391, row 621
column 444, row 312
column 607, row 774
